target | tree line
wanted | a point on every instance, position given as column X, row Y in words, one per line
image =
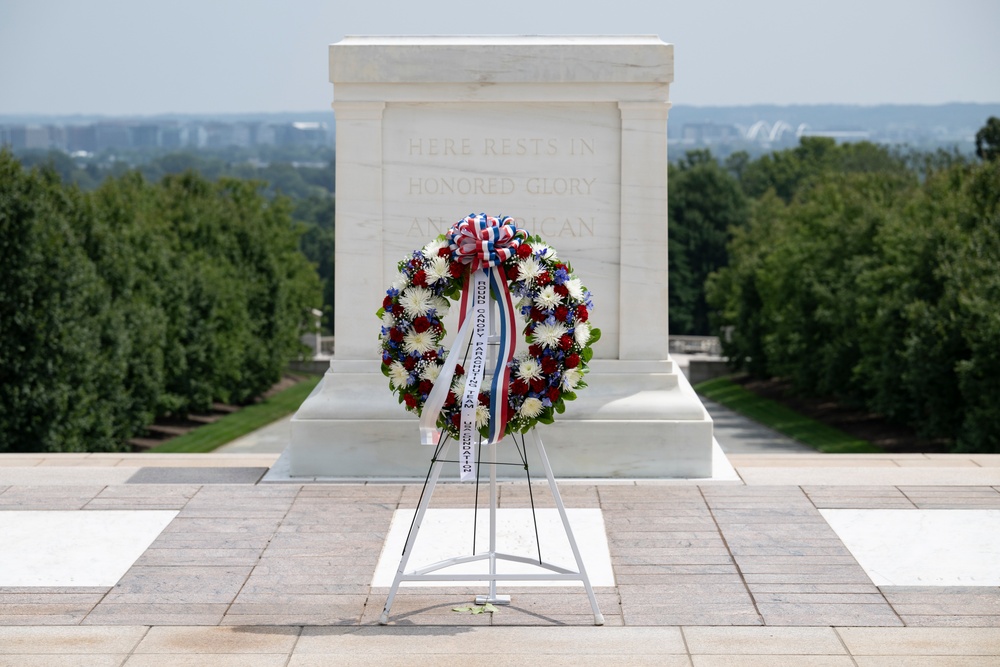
column 139, row 299
column 854, row 271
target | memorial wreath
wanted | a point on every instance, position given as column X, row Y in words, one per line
column 482, row 256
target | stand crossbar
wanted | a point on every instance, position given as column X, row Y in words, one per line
column 552, row 572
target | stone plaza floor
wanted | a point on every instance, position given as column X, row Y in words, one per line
column 808, row 559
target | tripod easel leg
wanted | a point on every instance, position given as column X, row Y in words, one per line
column 537, row 439
column 418, row 517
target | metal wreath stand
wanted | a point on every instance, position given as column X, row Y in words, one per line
column 551, row 572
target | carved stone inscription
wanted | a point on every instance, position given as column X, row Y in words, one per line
column 554, row 168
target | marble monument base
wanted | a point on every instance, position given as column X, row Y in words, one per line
column 635, row 419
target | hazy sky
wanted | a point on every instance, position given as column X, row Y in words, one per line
column 216, row 56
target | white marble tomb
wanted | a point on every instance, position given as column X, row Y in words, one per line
column 568, row 135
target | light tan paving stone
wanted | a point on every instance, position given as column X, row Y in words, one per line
column 260, row 660
column 540, row 641
column 246, row 639
column 42, row 475
column 191, row 526
column 921, row 641
column 819, row 598
column 766, row 588
column 922, row 661
column 77, row 660
column 801, row 613
column 769, row 661
column 195, row 556
column 723, row 614
column 763, row 641
column 70, row 640
column 869, row 476
column 461, row 660
column 178, row 585
column 971, row 621
column 156, row 613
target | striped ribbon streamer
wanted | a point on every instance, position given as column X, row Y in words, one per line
column 484, row 243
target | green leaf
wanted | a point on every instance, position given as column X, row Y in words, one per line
column 587, row 354
column 560, row 407
column 490, row 608
column 569, row 395
column 595, row 335
column 381, row 312
column 385, row 370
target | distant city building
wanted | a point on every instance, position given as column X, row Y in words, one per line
column 126, row 134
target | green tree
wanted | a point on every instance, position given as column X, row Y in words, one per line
column 705, row 203
column 988, row 140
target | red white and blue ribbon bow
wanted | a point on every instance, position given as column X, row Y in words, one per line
column 484, row 243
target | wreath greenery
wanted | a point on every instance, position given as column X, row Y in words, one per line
column 553, row 357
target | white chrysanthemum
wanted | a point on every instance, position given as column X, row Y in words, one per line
column 431, row 249
column 532, row 407
column 388, row 320
column 421, row 343
column 400, row 283
column 571, row 378
column 431, row 372
column 529, row 369
column 437, row 269
column 582, row 334
column 416, row 301
column 441, row 306
column 482, row 416
column 575, row 288
column 548, row 298
column 458, row 386
column 398, row 374
column 548, row 335
column 528, row 269
column 549, row 254
column 521, row 355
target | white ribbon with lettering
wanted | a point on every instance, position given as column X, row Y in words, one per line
column 468, row 433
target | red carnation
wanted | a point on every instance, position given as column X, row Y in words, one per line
column 387, row 302
column 431, row 355
column 421, row 324
column 553, row 394
column 561, row 290
column 581, row 313
column 513, row 272
column 420, row 278
column 560, row 265
column 425, row 386
column 456, row 269
column 523, row 250
column 450, row 400
column 444, row 252
column 519, row 388
column 456, row 420
column 537, row 385
column 549, row 365
column 409, row 363
column 562, row 312
column 543, row 278
column 535, row 350
column 410, row 401
column 538, row 315
column 459, row 370
column 572, row 361
column 395, row 335
column 484, row 399
column 565, row 342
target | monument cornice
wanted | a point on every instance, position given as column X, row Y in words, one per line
column 502, row 60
